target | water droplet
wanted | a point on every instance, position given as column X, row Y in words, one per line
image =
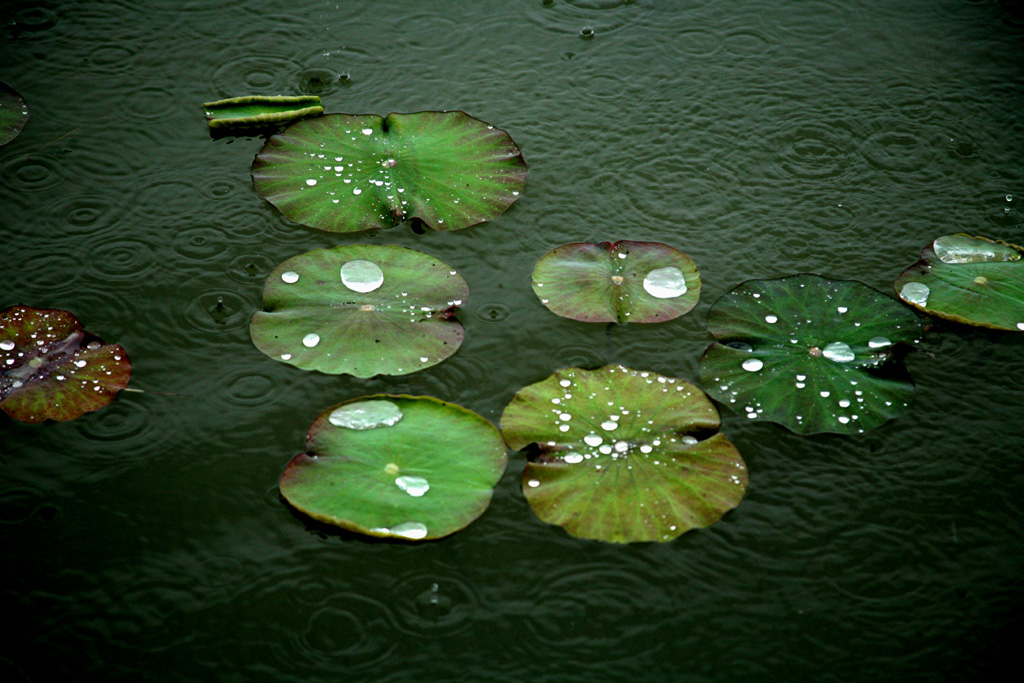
column 963, row 249
column 411, row 530
column 311, row 181
column 356, row 191
column 7, row 345
column 366, row 415
column 771, row 319
column 286, row 356
column 564, row 382
column 367, row 131
column 79, row 363
column 311, row 340
column 665, row 283
column 824, row 394
column 878, row 342
column 362, row 276
column 621, row 446
column 586, row 33
column 752, row 364
column 844, row 403
column 593, row 440
column 609, row 425
column 414, row 486
column 915, row 293
column 838, row 352
column 573, row 458
column 1020, row 326
column 533, row 483
column 290, row 277
column 741, row 346
column 842, row 309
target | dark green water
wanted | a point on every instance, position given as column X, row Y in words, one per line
column 147, row 541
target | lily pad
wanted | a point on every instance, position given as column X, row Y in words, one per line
column 813, row 354
column 50, row 368
column 361, row 309
column 13, row 113
column 639, row 282
column 256, row 111
column 624, row 456
column 409, row 467
column 971, row 280
column 344, row 173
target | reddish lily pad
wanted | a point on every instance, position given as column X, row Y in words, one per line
column 344, row 172
column 50, row 368
column 813, row 354
column 971, row 280
column 13, row 113
column 626, row 281
column 405, row 467
column 624, row 455
column 361, row 309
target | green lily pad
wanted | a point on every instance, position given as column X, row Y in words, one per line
column 812, row 354
column 256, row 111
column 639, row 282
column 13, row 113
column 409, row 467
column 971, row 280
column 361, row 309
column 344, row 173
column 50, row 368
column 624, row 456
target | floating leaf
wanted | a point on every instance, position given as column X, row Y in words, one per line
column 813, row 354
column 971, row 280
column 362, row 310
column 624, row 456
column 345, row 172
column 13, row 113
column 640, row 282
column 51, row 368
column 257, row 111
column 396, row 466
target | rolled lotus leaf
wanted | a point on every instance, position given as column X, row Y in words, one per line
column 257, row 111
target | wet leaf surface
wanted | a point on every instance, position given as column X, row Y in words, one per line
column 624, row 455
column 345, row 173
column 971, row 280
column 362, row 310
column 404, row 467
column 13, row 113
column 625, row 281
column 813, row 354
column 50, row 368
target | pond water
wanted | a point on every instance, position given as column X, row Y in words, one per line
column 148, row 541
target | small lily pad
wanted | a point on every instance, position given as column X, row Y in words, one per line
column 813, row 354
column 344, row 173
column 624, row 455
column 639, row 282
column 408, row 467
column 361, row 309
column 257, row 111
column 971, row 280
column 13, row 113
column 50, row 368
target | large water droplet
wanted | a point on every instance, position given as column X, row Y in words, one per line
column 410, row 530
column 290, row 277
column 593, row 440
column 366, row 415
column 1020, row 326
column 915, row 293
column 665, row 283
column 879, row 342
column 311, row 340
column 414, row 486
column 7, row 345
column 362, row 276
column 963, row 249
column 573, row 458
column 752, row 364
column 839, row 352
column 609, row 425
